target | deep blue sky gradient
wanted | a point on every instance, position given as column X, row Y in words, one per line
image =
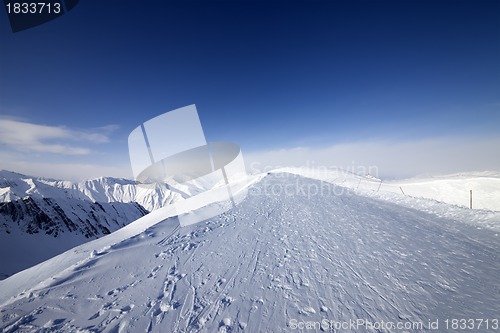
column 264, row 74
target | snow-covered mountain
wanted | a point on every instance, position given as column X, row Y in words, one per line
column 40, row 218
column 296, row 255
column 14, row 186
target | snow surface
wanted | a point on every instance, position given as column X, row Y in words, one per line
column 283, row 255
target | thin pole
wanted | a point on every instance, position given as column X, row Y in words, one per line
column 470, row 199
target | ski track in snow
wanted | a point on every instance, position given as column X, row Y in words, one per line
column 269, row 260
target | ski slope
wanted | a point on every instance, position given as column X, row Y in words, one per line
column 278, row 260
column 452, row 189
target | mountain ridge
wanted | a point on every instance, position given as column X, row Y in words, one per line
column 15, row 186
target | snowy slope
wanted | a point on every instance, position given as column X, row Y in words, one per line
column 33, row 230
column 452, row 189
column 281, row 258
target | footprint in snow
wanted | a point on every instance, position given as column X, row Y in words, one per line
column 307, row 310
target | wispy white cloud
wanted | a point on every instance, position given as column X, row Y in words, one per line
column 389, row 158
column 67, row 171
column 63, row 171
column 28, row 137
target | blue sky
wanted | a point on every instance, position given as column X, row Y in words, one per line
column 268, row 75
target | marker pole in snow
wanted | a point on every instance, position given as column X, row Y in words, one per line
column 470, row 205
